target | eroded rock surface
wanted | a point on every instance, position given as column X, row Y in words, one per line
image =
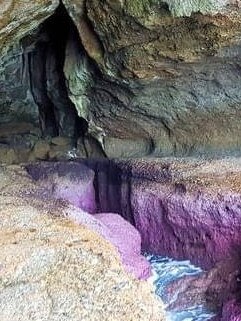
column 162, row 77
column 54, row 269
column 195, row 201
column 186, row 209
column 18, row 19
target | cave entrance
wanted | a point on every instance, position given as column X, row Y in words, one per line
column 46, row 52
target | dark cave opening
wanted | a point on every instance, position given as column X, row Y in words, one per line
column 46, row 54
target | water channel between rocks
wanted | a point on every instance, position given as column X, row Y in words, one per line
column 166, row 270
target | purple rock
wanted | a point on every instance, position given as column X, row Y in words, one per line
column 74, row 183
column 204, row 228
column 128, row 242
column 230, row 312
column 121, row 234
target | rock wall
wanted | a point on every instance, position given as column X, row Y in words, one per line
column 186, row 209
column 17, row 20
column 16, row 98
column 175, row 93
column 155, row 78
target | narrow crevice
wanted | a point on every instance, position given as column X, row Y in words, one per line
column 46, row 50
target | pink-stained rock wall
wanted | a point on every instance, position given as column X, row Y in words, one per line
column 180, row 208
column 128, row 242
column 187, row 209
column 200, row 226
column 231, row 312
column 74, row 183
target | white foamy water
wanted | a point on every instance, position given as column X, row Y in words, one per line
column 166, row 270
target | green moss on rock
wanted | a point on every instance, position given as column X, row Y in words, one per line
column 138, row 8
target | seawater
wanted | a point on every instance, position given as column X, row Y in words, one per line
column 166, row 270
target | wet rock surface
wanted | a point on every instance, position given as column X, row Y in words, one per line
column 55, row 269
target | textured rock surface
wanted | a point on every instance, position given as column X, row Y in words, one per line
column 166, row 75
column 74, row 183
column 54, row 269
column 169, row 80
column 211, row 288
column 232, row 311
column 190, row 205
column 17, row 19
column 183, row 208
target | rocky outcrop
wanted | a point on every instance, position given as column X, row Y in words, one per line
column 186, row 209
column 163, row 81
column 191, row 205
column 55, row 269
column 212, row 288
column 74, row 183
column 17, row 19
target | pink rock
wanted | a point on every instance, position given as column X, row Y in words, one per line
column 121, row 234
column 79, row 192
column 70, row 181
column 74, row 183
column 231, row 312
column 128, row 242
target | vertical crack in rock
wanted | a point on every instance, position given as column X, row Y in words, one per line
column 46, row 49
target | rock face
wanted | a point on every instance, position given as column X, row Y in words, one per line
column 167, row 83
column 120, row 78
column 74, row 183
column 162, row 77
column 18, row 19
column 54, row 269
column 186, row 209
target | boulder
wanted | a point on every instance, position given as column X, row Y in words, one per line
column 8, row 155
column 41, row 150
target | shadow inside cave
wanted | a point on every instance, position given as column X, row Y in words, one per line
column 46, row 48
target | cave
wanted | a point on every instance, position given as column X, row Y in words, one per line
column 47, row 112
column 124, row 121
column 46, row 49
